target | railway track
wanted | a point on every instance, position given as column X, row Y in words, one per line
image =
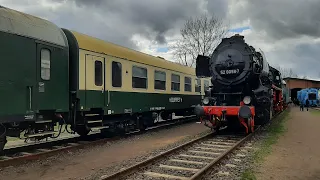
column 187, row 161
column 22, row 153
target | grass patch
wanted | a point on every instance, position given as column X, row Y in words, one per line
column 314, row 112
column 274, row 131
column 248, row 175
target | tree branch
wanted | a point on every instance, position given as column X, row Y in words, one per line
column 199, row 35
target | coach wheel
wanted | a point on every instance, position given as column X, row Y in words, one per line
column 165, row 115
column 142, row 127
column 82, row 130
column 122, row 128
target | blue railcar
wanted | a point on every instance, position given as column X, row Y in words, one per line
column 309, row 94
column 299, row 96
column 313, row 97
column 302, row 96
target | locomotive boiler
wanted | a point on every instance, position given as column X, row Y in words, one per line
column 244, row 86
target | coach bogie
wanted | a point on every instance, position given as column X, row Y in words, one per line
column 165, row 115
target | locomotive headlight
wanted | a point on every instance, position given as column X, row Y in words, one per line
column 205, row 101
column 247, row 100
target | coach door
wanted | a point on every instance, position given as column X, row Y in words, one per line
column 51, row 91
column 95, row 81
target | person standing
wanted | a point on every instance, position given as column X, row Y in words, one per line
column 307, row 104
column 301, row 106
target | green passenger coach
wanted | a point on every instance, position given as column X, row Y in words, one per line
column 117, row 86
column 51, row 75
column 34, row 73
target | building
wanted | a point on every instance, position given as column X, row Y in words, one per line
column 296, row 84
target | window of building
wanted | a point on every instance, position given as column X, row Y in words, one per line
column 139, row 77
column 116, row 74
column 159, row 80
column 175, row 82
column 187, row 84
column 206, row 84
column 45, row 64
column 98, row 73
column 197, row 87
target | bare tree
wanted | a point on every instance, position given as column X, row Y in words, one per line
column 199, row 35
column 287, row 72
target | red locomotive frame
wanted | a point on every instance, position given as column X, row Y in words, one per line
column 217, row 113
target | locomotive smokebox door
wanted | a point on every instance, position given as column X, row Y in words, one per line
column 202, row 66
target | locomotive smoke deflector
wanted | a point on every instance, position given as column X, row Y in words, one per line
column 202, row 66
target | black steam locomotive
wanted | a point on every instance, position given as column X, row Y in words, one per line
column 245, row 89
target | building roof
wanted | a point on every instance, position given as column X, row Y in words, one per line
column 97, row 45
column 15, row 22
column 311, row 80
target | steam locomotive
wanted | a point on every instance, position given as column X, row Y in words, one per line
column 245, row 89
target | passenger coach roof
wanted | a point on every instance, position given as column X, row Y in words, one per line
column 19, row 23
column 96, row 45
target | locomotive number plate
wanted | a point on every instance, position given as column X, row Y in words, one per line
column 230, row 71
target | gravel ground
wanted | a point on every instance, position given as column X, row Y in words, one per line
column 296, row 154
column 93, row 162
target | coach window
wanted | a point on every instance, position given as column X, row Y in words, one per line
column 45, row 64
column 159, row 80
column 116, row 74
column 197, row 85
column 139, row 77
column 98, row 73
column 206, row 84
column 175, row 82
column 187, row 84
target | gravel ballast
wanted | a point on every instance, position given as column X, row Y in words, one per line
column 106, row 159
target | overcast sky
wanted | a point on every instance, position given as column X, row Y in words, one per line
column 288, row 31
